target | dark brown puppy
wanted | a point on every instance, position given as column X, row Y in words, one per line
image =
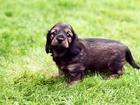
column 74, row 56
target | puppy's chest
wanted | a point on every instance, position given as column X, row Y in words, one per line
column 66, row 64
column 69, row 67
column 62, row 62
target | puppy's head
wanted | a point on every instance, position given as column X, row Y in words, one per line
column 61, row 38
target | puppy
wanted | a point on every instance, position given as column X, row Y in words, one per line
column 73, row 55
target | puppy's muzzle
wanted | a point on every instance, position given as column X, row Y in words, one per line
column 60, row 39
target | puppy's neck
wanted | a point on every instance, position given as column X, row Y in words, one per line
column 59, row 54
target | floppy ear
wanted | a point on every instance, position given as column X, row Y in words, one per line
column 48, row 42
column 75, row 47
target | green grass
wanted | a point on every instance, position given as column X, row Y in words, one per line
column 26, row 70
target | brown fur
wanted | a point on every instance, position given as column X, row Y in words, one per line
column 73, row 55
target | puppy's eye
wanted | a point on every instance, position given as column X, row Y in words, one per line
column 54, row 32
column 68, row 34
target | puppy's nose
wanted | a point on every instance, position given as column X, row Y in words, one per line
column 60, row 39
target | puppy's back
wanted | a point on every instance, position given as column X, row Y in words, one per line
column 100, row 51
column 103, row 44
column 100, row 40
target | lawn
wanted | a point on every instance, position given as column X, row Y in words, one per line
column 26, row 70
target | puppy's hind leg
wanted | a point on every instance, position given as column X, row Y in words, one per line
column 116, row 68
column 116, row 73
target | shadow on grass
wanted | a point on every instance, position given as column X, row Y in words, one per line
column 101, row 73
column 29, row 80
column 65, row 78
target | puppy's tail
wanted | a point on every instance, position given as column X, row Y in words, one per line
column 130, row 60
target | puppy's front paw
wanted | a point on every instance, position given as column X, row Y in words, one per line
column 113, row 76
column 56, row 76
column 73, row 82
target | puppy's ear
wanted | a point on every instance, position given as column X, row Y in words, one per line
column 48, row 42
column 75, row 47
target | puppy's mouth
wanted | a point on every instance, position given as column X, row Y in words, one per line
column 62, row 45
column 58, row 47
column 59, row 43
